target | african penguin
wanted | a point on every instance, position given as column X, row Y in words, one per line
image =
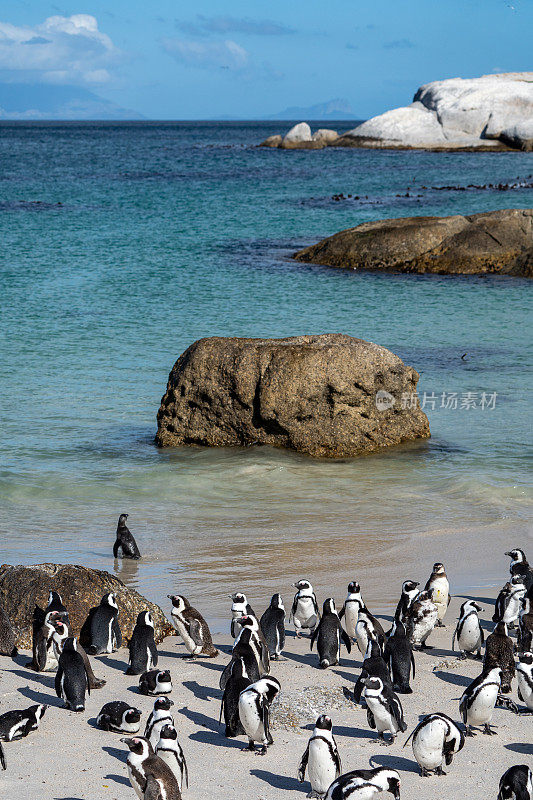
column 509, row 602
column 421, row 619
column 192, row 627
column 516, row 783
column 398, row 654
column 439, row 587
column 469, row 634
column 525, row 626
column 155, row 681
column 524, row 675
column 408, row 596
column 55, row 603
column 368, row 627
column 251, row 624
column 44, row 647
column 245, row 649
column 60, row 635
column 384, row 710
column 435, row 740
column 71, row 679
column 519, row 566
column 374, row 666
column 478, row 700
column 272, row 623
column 365, row 784
column 159, row 717
column 254, row 711
column 102, row 629
column 19, row 723
column 3, row 762
column 351, row 607
column 142, row 650
column 499, row 652
column 240, row 607
column 125, row 544
column 304, row 611
column 119, row 717
column 328, row 635
column 144, row 767
column 321, row 759
column 169, row 750
column 7, row 636
column 236, row 683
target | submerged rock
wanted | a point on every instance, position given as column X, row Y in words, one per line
column 497, row 242
column 312, row 394
column 22, row 588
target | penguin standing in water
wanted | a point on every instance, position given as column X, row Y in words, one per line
column 524, row 675
column 321, row 758
column 478, row 700
column 435, row 740
column 499, row 652
column 169, row 750
column 192, row 627
column 374, row 666
column 519, row 566
column 71, row 680
column 254, row 712
column 365, row 784
column 304, row 611
column 509, row 602
column 516, row 784
column 101, row 630
column 236, row 683
column 384, row 710
column 149, row 775
column 143, row 652
column 328, row 634
column 439, row 587
column 409, row 594
column 272, row 624
column 240, row 607
column 351, row 608
column 421, row 619
column 7, row 636
column 160, row 716
column 469, row 634
column 367, row 628
column 398, row 654
column 125, row 544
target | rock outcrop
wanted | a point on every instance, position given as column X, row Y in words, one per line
column 312, row 394
column 300, row 138
column 22, row 588
column 496, row 242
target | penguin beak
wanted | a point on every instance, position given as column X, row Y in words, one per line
column 508, row 554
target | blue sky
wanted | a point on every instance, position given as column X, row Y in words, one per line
column 175, row 60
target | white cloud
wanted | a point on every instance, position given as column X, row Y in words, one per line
column 59, row 50
column 225, row 55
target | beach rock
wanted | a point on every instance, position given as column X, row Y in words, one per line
column 312, row 394
column 297, row 134
column 22, row 588
column 519, row 136
column 498, row 242
column 325, row 135
column 272, row 141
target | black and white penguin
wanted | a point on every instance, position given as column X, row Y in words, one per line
column 169, row 750
column 509, row 602
column 236, row 683
column 439, row 587
column 304, row 611
column 145, row 768
column 435, row 740
column 398, row 654
column 409, row 594
column 321, row 758
column 119, row 717
column 155, row 682
column 60, row 635
column 328, row 635
column 192, row 627
column 421, row 619
column 7, row 636
column 254, row 712
column 257, row 639
column 524, row 675
column 55, row 603
column 247, row 650
column 519, row 566
column 44, row 646
column 3, row 762
column 516, row 783
column 272, row 624
column 374, row 666
column 499, row 652
column 365, row 784
column 368, row 627
column 17, row 724
column 351, row 608
column 469, row 635
column 72, row 681
column 102, row 627
column 384, row 711
column 525, row 626
column 125, row 545
column 143, row 652
column 240, row 607
column 478, row 700
column 160, row 716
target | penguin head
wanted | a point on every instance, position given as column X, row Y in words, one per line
column 132, row 715
column 271, row 687
column 324, row 723
column 409, row 586
column 470, row 605
column 517, row 582
column 145, row 618
column 518, row 556
column 302, row 584
column 248, row 622
column 169, row 732
column 374, row 684
column 500, row 629
column 329, row 606
column 392, row 782
column 179, row 603
column 139, row 746
column 354, row 588
column 109, row 599
column 526, row 658
column 425, row 597
column 277, row 602
column 163, row 704
column 239, row 597
column 163, row 676
column 494, row 674
column 122, row 519
column 373, row 650
column 38, row 711
column 70, row 644
column 438, row 568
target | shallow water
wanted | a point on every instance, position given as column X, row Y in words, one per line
column 170, row 232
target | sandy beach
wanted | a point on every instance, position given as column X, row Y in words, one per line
column 68, row 758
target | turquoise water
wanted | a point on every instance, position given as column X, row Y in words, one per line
column 123, row 243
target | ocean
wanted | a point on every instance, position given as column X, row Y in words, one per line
column 122, row 243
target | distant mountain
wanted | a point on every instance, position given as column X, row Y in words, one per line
column 332, row 109
column 45, row 101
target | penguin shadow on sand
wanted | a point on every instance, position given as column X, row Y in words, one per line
column 394, row 762
column 203, row 692
column 520, row 747
column 453, row 677
column 208, row 664
column 41, row 697
column 488, row 600
column 310, row 659
column 120, row 755
column 113, row 663
column 350, row 677
column 345, row 730
column 279, row 781
column 46, row 679
column 213, row 733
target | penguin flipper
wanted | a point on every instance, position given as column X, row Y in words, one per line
column 303, row 765
column 117, row 632
column 57, row 681
column 195, row 632
column 342, row 611
column 2, row 757
column 152, row 790
column 224, row 676
column 314, row 635
column 266, row 722
column 39, row 658
column 346, row 640
column 370, row 719
column 185, row 770
column 115, row 548
column 153, row 651
column 315, row 605
column 413, row 663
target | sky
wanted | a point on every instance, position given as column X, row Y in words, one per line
column 167, row 59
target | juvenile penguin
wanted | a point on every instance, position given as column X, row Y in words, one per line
column 367, row 628
column 102, row 627
column 328, row 635
column 524, row 675
column 509, row 602
column 169, row 750
column 192, row 627
column 240, row 607
column 365, row 784
column 351, row 608
column 160, row 716
column 149, row 772
column 72, row 681
column 439, row 587
column 254, row 712
column 516, row 784
column 374, row 666
column 398, row 654
column 469, row 634
column 499, row 653
column 321, row 758
column 143, row 652
column 119, row 717
column 435, row 740
column 7, row 636
column 17, row 724
column 155, row 682
column 478, row 700
column 409, row 594
column 125, row 545
column 421, row 619
column 304, row 611
column 384, row 710
column 272, row 624
column 236, row 683
column 519, row 566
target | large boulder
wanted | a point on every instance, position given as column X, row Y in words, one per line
column 320, row 395
column 272, row 141
column 22, row 588
column 325, row 135
column 519, row 136
column 297, row 134
column 499, row 242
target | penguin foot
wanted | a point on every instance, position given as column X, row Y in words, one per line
column 488, row 730
column 478, row 656
column 439, row 771
column 462, row 657
column 469, row 732
column 440, row 624
column 249, row 749
column 262, row 751
column 98, row 683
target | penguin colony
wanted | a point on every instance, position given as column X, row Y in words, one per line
column 156, row 762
